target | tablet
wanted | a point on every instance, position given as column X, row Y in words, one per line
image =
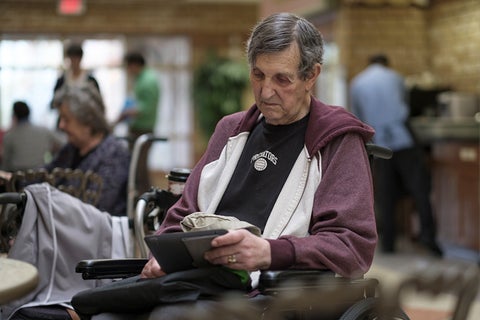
column 182, row 250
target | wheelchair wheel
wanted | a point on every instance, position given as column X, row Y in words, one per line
column 365, row 310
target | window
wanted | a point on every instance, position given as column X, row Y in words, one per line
column 29, row 69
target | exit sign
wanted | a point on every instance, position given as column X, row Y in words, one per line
column 71, row 7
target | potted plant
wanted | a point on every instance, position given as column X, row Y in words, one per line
column 219, row 84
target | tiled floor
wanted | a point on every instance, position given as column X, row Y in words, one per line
column 392, row 269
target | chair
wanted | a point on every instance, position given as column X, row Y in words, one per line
column 143, row 141
column 132, row 193
column 296, row 292
column 87, row 186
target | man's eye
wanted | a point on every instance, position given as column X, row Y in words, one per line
column 283, row 80
column 257, row 75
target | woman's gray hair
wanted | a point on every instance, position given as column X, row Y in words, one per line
column 278, row 31
column 86, row 105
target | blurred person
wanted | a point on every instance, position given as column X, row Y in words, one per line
column 26, row 145
column 140, row 111
column 291, row 165
column 378, row 97
column 91, row 146
column 75, row 76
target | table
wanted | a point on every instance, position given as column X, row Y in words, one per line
column 17, row 278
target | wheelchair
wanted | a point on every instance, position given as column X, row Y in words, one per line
column 296, row 294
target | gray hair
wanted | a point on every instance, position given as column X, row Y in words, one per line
column 86, row 105
column 278, row 31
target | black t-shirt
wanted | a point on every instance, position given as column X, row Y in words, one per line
column 262, row 170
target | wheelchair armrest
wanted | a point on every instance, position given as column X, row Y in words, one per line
column 272, row 282
column 110, row 268
column 18, row 198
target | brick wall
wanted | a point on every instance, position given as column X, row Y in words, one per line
column 454, row 43
column 442, row 39
column 399, row 32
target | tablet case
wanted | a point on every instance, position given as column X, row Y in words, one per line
column 182, row 250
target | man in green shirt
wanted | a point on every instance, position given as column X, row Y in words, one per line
column 141, row 113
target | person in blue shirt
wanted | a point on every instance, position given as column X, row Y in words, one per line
column 377, row 96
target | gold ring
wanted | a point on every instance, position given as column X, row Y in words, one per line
column 231, row 259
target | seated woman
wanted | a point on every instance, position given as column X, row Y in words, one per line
column 91, row 146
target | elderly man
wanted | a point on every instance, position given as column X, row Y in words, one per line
column 291, row 165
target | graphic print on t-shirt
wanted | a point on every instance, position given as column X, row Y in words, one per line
column 260, row 160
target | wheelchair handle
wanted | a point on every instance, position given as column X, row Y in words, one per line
column 13, row 197
column 378, row 151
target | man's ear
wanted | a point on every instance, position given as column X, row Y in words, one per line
column 314, row 73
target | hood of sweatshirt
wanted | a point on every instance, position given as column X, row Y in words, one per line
column 325, row 124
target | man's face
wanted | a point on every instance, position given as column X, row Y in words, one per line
column 281, row 95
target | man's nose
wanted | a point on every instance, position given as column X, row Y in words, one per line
column 268, row 90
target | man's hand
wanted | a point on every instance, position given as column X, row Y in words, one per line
column 152, row 269
column 240, row 249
